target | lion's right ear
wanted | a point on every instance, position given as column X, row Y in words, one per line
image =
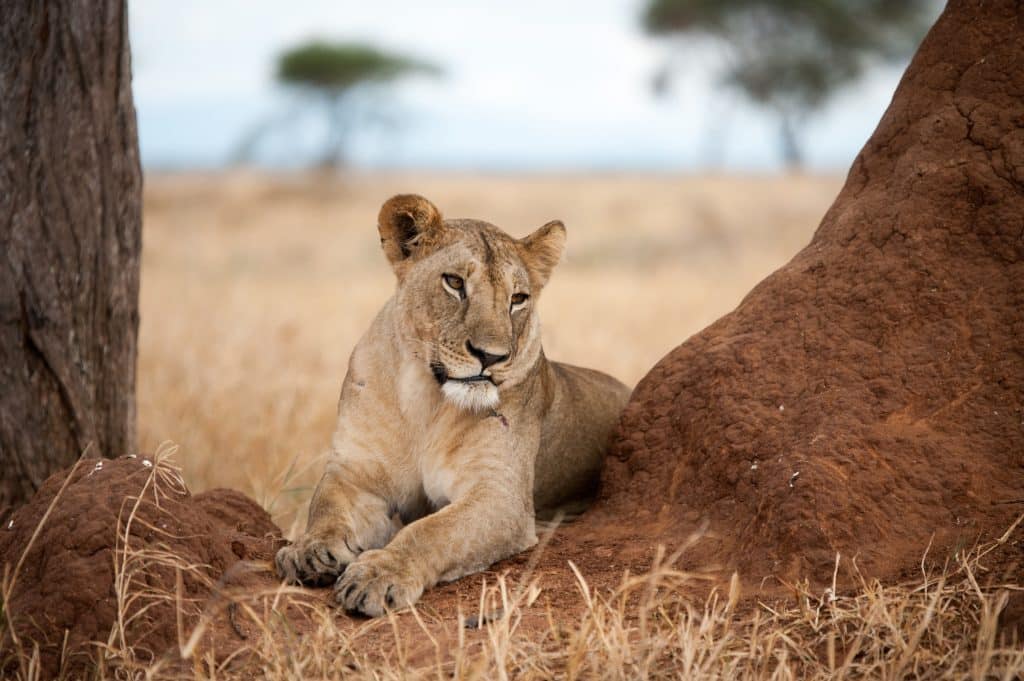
column 406, row 222
column 542, row 251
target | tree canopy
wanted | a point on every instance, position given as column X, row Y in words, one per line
column 335, row 77
column 337, row 67
column 791, row 55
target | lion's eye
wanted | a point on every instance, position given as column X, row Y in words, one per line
column 519, row 298
column 454, row 282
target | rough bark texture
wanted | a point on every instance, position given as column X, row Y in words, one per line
column 869, row 395
column 70, row 197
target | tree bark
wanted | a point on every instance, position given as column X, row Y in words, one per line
column 70, row 238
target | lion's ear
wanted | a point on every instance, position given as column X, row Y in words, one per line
column 543, row 249
column 404, row 222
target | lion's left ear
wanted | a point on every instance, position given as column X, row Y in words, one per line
column 406, row 223
column 542, row 250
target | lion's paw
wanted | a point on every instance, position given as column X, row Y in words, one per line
column 314, row 561
column 377, row 581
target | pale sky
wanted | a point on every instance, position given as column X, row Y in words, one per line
column 529, row 85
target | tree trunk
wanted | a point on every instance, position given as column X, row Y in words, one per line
column 792, row 155
column 70, row 209
column 338, row 124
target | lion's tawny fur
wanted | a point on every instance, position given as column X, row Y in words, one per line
column 430, row 476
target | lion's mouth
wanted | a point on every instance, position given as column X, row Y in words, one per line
column 472, row 379
column 440, row 372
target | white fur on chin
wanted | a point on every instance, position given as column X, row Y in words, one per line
column 476, row 396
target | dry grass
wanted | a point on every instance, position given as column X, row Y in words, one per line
column 937, row 626
column 255, row 289
column 940, row 626
column 928, row 629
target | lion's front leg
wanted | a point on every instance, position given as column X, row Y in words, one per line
column 483, row 526
column 349, row 514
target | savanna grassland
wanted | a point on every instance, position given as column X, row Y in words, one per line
column 254, row 290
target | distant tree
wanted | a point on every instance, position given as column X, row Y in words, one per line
column 334, row 75
column 790, row 56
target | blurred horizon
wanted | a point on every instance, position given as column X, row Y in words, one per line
column 526, row 87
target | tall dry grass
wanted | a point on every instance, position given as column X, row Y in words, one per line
column 255, row 289
column 942, row 625
column 938, row 626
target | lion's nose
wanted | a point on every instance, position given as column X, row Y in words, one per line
column 486, row 358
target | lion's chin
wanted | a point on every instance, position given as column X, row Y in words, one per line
column 471, row 396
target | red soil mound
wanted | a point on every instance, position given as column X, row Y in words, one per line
column 120, row 526
column 869, row 394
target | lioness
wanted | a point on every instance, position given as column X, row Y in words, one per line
column 451, row 418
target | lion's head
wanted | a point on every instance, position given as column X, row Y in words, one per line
column 467, row 295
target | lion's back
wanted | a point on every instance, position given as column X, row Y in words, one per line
column 584, row 410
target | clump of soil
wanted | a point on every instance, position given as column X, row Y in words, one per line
column 868, row 397
column 108, row 557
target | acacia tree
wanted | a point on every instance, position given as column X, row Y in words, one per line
column 336, row 76
column 70, row 238
column 791, row 56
